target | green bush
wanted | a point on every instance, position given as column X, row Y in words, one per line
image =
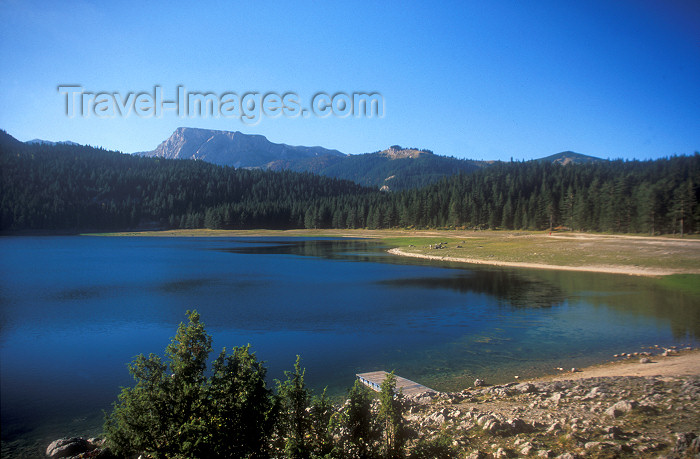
column 178, row 410
column 175, row 410
column 294, row 421
column 391, row 410
column 437, row 448
column 355, row 427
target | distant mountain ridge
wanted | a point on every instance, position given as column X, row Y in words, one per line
column 398, row 152
column 226, row 148
column 78, row 188
column 569, row 157
column 398, row 168
column 49, row 142
column 391, row 169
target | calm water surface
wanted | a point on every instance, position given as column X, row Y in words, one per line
column 75, row 310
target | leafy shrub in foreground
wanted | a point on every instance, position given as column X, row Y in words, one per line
column 175, row 410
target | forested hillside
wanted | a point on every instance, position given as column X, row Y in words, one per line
column 75, row 187
column 64, row 187
column 399, row 173
column 650, row 197
column 394, row 169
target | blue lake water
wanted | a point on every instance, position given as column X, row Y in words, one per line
column 75, row 310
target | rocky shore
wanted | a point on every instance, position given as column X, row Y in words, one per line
column 627, row 416
column 633, row 409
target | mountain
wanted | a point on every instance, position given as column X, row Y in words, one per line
column 392, row 169
column 48, row 142
column 9, row 143
column 81, row 188
column 570, row 157
column 397, row 168
column 71, row 187
column 236, row 149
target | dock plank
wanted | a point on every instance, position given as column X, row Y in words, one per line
column 374, row 380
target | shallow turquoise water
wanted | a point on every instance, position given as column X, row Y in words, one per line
column 75, row 310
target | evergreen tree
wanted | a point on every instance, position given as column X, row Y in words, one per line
column 355, row 426
column 321, row 412
column 75, row 188
column 241, row 413
column 294, row 421
column 174, row 410
column 391, row 416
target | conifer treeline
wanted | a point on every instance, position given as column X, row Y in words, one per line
column 75, row 188
column 82, row 188
column 653, row 197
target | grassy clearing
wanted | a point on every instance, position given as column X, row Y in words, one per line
column 634, row 253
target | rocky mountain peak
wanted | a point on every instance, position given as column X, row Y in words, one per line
column 231, row 148
column 570, row 157
column 398, row 152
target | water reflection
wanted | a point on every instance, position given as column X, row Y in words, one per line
column 329, row 249
column 83, row 293
column 511, row 288
column 185, row 285
column 632, row 296
column 516, row 288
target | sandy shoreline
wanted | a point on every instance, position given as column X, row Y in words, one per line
column 628, row 270
column 686, row 363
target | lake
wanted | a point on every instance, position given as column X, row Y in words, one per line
column 75, row 310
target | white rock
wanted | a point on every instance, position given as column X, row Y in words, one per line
column 620, row 408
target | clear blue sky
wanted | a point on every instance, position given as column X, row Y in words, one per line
column 472, row 79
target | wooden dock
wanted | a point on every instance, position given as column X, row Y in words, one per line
column 374, row 380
